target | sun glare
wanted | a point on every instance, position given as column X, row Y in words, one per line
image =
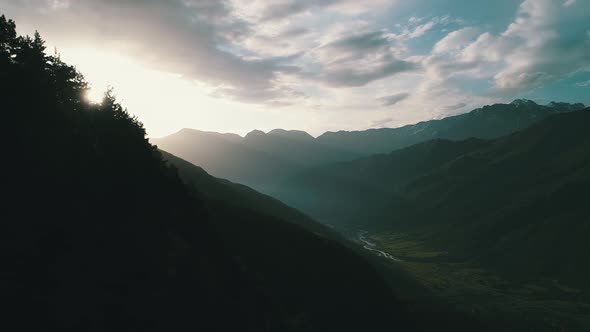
column 155, row 95
column 94, row 96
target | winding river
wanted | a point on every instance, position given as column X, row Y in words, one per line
column 368, row 245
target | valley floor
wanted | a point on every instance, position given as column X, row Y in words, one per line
column 479, row 292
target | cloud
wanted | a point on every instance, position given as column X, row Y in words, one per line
column 414, row 19
column 420, row 30
column 381, row 68
column 546, row 42
column 193, row 38
column 281, row 9
column 332, row 55
column 455, row 40
column 381, row 123
column 393, row 99
column 568, row 3
column 357, row 60
column 358, row 43
column 294, row 32
column 455, row 107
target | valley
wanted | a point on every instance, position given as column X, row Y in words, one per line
column 545, row 303
column 477, row 229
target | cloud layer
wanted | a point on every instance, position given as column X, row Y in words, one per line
column 341, row 57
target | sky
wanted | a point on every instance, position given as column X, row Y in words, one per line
column 315, row 65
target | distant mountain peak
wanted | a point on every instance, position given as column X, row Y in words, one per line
column 296, row 134
column 523, row 102
column 189, row 132
column 255, row 133
column 566, row 106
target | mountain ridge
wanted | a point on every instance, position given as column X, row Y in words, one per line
column 525, row 113
column 261, row 160
column 565, row 106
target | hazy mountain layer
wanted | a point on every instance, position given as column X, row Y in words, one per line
column 257, row 160
column 262, row 160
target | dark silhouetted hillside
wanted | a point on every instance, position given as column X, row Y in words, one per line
column 97, row 232
column 227, row 156
column 323, row 284
column 243, row 197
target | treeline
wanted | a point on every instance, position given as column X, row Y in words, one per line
column 98, row 233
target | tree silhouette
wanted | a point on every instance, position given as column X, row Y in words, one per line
column 97, row 231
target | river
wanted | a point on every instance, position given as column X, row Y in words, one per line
column 368, row 245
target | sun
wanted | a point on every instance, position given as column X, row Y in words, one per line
column 94, row 96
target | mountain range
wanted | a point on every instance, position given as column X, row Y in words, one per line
column 261, row 160
column 516, row 203
column 487, row 122
column 257, row 159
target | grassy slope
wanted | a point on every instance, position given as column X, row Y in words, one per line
column 534, row 304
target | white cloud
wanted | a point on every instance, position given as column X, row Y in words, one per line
column 568, row 3
column 277, row 10
column 455, row 40
column 544, row 43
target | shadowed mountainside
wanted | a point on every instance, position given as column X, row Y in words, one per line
column 516, row 203
column 97, row 232
column 282, row 246
column 304, row 265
